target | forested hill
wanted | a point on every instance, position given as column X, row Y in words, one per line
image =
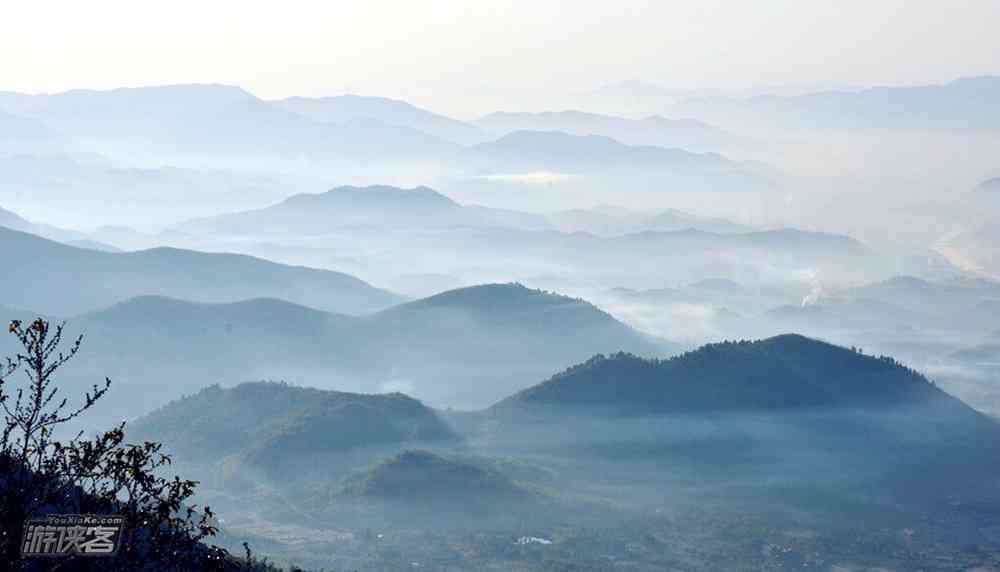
column 783, row 372
column 272, row 421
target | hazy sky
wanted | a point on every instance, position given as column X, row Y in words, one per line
column 465, row 56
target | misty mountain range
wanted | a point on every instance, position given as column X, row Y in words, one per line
column 156, row 349
column 221, row 120
column 100, row 279
column 345, row 108
column 965, row 103
column 547, row 287
column 227, row 122
column 390, row 209
column 594, row 443
column 361, row 229
column 532, row 151
column 653, row 130
column 775, row 376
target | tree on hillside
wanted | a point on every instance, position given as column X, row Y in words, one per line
column 41, row 475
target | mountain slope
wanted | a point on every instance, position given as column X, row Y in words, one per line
column 344, row 108
column 317, row 213
column 357, row 208
column 527, row 151
column 652, row 130
column 466, row 348
column 421, row 476
column 965, row 103
column 784, row 372
column 494, row 316
column 78, row 280
column 270, row 423
column 609, row 221
column 14, row 221
column 216, row 119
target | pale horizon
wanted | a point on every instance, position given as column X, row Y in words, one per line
column 465, row 59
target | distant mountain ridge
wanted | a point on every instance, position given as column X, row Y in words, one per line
column 527, row 151
column 652, row 130
column 103, row 278
column 611, row 222
column 344, row 108
column 383, row 206
column 14, row 221
column 376, row 206
column 964, row 103
column 467, row 347
column 222, row 120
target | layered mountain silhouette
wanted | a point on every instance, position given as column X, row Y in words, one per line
column 528, row 151
column 961, row 104
column 611, row 221
column 221, row 120
column 391, row 208
column 465, row 347
column 14, row 221
column 345, row 108
column 781, row 412
column 372, row 207
column 78, row 280
column 653, row 130
column 901, row 303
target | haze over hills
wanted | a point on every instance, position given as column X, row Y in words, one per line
column 181, row 121
column 266, row 425
column 610, row 221
column 653, row 130
column 773, row 374
column 788, row 401
column 964, row 103
column 213, row 145
column 532, row 151
column 14, row 129
column 716, row 426
column 465, row 348
column 359, row 208
column 100, row 279
column 976, row 250
column 388, row 208
column 477, row 245
column 424, row 477
column 543, row 170
column 14, row 221
column 344, row 108
column 505, row 312
column 689, row 244
column 59, row 188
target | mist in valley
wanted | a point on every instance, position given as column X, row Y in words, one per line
column 743, row 314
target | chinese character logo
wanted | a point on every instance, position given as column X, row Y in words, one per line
column 72, row 535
